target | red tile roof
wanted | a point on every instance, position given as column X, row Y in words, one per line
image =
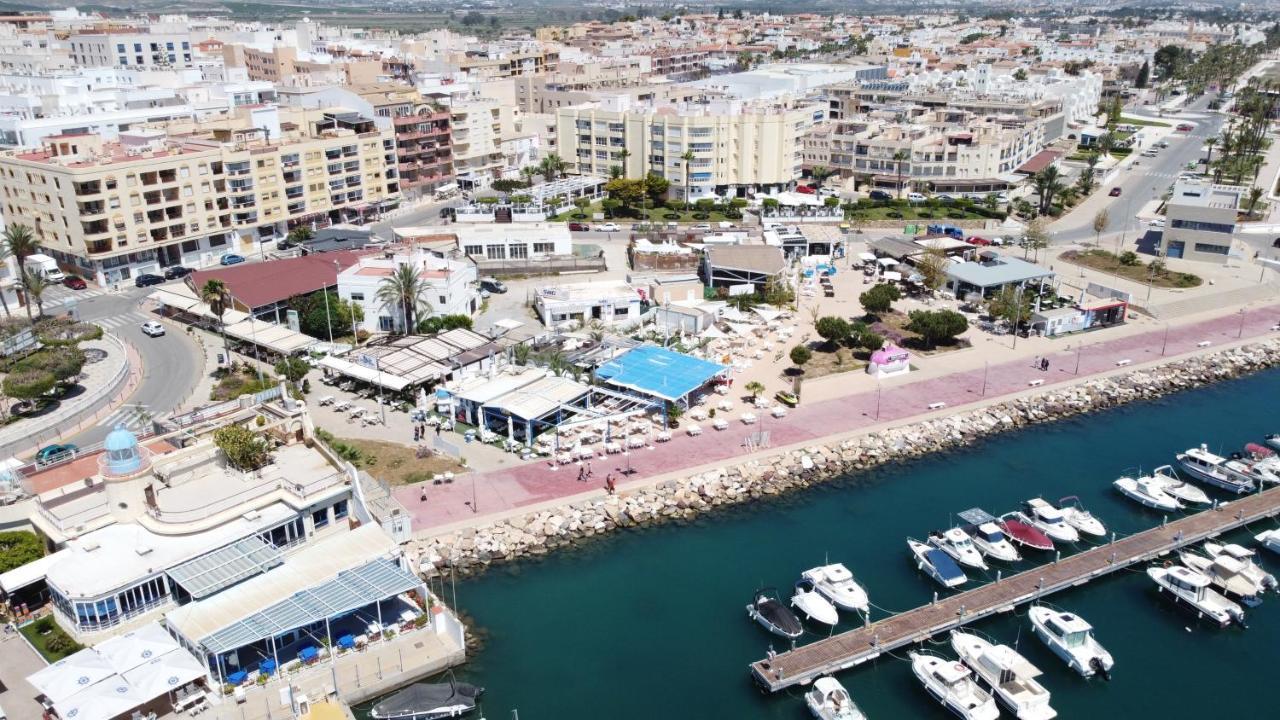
column 255, row 284
column 1039, row 161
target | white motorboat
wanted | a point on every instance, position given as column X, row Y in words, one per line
column 1008, row 674
column 1251, row 569
column 828, row 700
column 988, row 538
column 1147, row 491
column 1215, row 470
column 838, row 585
column 815, row 607
column 1192, row 590
column 1082, row 520
column 1177, row 488
column 1269, row 539
column 1227, row 574
column 957, row 543
column 766, row 609
column 1272, row 440
column 1071, row 638
column 937, row 564
column 1264, row 464
column 952, row 684
column 1050, row 520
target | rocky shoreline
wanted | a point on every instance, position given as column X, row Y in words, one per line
column 537, row 533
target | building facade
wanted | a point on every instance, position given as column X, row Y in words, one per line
column 1200, row 221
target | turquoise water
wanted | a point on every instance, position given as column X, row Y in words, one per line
column 651, row 624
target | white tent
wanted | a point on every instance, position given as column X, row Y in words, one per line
column 867, row 257
column 108, row 699
column 887, row 262
column 733, row 314
column 71, row 675
column 165, row 674
column 745, row 330
column 128, row 651
column 767, row 314
column 713, row 333
column 892, row 277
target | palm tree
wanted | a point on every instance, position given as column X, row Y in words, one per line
column 686, row 158
column 1106, row 143
column 1047, row 184
column 552, row 167
column 405, row 291
column 819, row 173
column 5, row 254
column 218, row 297
column 19, row 242
column 1255, row 194
column 35, row 285
column 755, row 387
column 900, row 157
column 623, row 154
column 527, row 172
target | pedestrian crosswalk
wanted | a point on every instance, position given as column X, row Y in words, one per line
column 133, row 416
column 115, row 322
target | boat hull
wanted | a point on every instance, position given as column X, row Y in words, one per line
column 1213, row 480
column 1132, row 492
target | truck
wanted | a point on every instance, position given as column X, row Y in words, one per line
column 43, row 266
column 948, row 230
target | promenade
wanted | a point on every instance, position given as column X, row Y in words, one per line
column 477, row 498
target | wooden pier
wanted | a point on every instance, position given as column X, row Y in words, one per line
column 806, row 663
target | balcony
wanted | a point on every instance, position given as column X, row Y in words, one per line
column 238, row 169
column 92, row 208
column 93, row 187
column 95, row 227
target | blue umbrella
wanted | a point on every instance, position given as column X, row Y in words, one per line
column 266, row 667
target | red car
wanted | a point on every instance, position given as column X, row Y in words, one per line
column 805, row 189
column 1186, row 127
column 975, row 240
column 75, row 283
column 578, row 227
column 1115, row 192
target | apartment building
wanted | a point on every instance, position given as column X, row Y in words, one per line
column 500, row 61
column 288, row 66
column 450, row 287
column 477, row 126
column 187, row 193
column 424, row 152
column 678, row 62
column 1200, row 221
column 131, row 49
column 734, row 147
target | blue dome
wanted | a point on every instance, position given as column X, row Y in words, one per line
column 120, row 439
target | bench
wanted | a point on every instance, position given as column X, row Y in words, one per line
column 937, row 405
column 1122, row 363
column 1203, row 343
column 1036, row 383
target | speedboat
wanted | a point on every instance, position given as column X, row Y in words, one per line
column 953, row 686
column 1269, row 539
column 1049, row 520
column 1147, row 491
column 937, row 564
column 836, row 583
column 1008, row 674
column 1272, row 440
column 1071, row 638
column 993, row 543
column 428, row 701
column 815, row 607
column 828, row 700
column 957, row 543
column 766, row 609
column 1020, row 530
column 1228, row 574
column 1245, row 556
column 1177, row 488
column 1082, row 520
column 1192, row 590
column 1215, row 470
column 1263, row 463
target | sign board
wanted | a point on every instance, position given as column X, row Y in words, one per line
column 1103, row 291
column 741, row 289
column 20, row 341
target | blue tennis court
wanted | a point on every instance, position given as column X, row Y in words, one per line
column 659, row 372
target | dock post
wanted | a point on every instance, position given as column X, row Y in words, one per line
column 866, row 620
column 1113, row 537
column 1039, row 585
column 1057, row 556
column 998, row 573
column 935, row 597
column 1164, row 520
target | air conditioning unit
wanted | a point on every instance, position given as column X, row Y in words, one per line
column 143, row 550
column 89, row 545
column 251, row 515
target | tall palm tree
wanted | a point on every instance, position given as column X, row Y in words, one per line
column 552, row 167
column 20, row 242
column 1209, row 142
column 900, row 157
column 1048, row 184
column 218, row 297
column 405, row 290
column 5, row 254
column 1255, row 194
column 686, row 158
column 35, row 285
column 623, row 154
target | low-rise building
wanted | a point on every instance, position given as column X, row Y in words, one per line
column 583, row 303
column 1200, row 221
column 511, row 241
column 737, row 266
column 448, row 287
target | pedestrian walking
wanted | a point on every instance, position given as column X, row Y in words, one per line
column 609, row 485
column 1036, row 364
column 582, row 475
column 588, row 469
column 424, row 494
column 437, row 431
column 1044, row 364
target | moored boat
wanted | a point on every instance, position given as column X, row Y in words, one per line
column 1177, row 488
column 1263, row 463
column 936, row 564
column 813, row 605
column 1147, row 491
column 1022, row 532
column 828, row 700
column 1215, row 470
column 1247, row 558
column 428, row 701
column 1272, row 440
column 838, row 585
column 993, row 543
column 1071, row 638
column 768, row 610
column 957, row 543
column 1082, row 520
column 1227, row 573
column 1269, row 539
column 952, row 684
column 1049, row 520
column 1191, row 589
column 1009, row 675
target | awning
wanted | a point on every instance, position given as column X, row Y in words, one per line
column 364, row 373
column 767, row 314
column 29, row 574
column 165, row 674
column 276, row 338
column 71, row 675
column 176, row 300
column 105, row 700
column 225, row 566
column 867, row 257
column 137, row 647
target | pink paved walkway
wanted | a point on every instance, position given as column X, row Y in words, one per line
column 501, row 490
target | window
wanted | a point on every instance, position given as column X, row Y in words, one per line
column 444, row 299
column 496, row 252
column 473, row 250
column 544, row 247
column 1202, row 226
column 386, row 323
column 340, row 510
column 518, row 252
column 320, row 518
column 357, row 297
column 1212, row 249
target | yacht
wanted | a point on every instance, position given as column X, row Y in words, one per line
column 1147, row 491
column 1263, row 463
column 936, row 564
column 1050, row 520
column 1071, row 638
column 1008, row 674
column 1215, row 470
column 1082, row 520
column 1178, row 488
column 837, row 584
column 428, row 701
column 957, row 543
column 1020, row 530
column 993, row 543
column 1227, row 573
column 1246, row 557
column 1192, row 590
column 1273, row 441
column 953, row 685
column 1269, row 539
column 766, row 609
column 828, row 700
column 815, row 607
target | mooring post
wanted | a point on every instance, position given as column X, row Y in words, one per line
column 998, row 573
column 1113, row 536
column 935, row 597
column 1057, row 556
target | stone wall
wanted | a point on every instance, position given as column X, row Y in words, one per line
column 537, row 533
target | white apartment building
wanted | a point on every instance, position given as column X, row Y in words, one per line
column 576, row 304
column 450, row 287
column 131, row 49
column 477, row 126
column 513, row 241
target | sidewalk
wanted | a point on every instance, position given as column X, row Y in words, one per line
column 1073, row 360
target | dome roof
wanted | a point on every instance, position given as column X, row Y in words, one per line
column 120, row 439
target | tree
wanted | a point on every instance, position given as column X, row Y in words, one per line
column 442, row 323
column 35, row 284
column 820, row 173
column 800, row 355
column 870, row 341
column 1209, row 142
column 935, row 326
column 244, row 449
column 1035, row 239
column 552, row 167
column 30, row 384
column 1144, row 75
column 686, row 158
column 755, row 387
column 299, row 235
column 293, row 369
column 629, row 193
column 20, row 242
column 1100, row 221
column 656, row 187
column 879, row 299
column 1020, row 75
column 322, row 315
column 1255, row 194
column 1047, row 184
column 900, row 157
column 833, row 329
column 407, row 293
column 17, row 548
column 215, row 294
column 932, row 265
column 1009, row 305
column 520, row 354
column 1106, row 142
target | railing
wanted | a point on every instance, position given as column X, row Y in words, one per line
column 62, row 523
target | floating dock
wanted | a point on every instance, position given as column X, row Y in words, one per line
column 806, row 663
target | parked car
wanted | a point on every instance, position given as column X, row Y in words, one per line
column 701, row 227
column 608, row 227
column 578, row 227
column 1186, row 127
column 1158, row 223
column 173, row 272
column 53, row 453
column 75, row 283
column 151, row 328
column 147, row 279
column 916, row 197
column 879, row 195
column 1002, row 198
column 493, row 286
column 1115, row 191
column 948, row 199
column 805, row 189
column 976, row 240
column 231, row 259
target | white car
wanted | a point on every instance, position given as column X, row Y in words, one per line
column 1157, row 223
column 608, row 227
column 152, row 328
column 916, row 197
column 701, row 227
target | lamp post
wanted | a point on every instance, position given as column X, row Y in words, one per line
column 1165, row 343
column 1240, row 330
column 986, row 368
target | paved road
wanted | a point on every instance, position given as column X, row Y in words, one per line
column 171, row 364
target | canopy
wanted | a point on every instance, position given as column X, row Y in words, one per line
column 867, row 257
column 734, row 314
column 391, row 382
column 277, row 338
column 887, row 262
column 108, row 699
column 767, row 314
column 892, row 276
column 165, row 674
column 711, row 333
column 137, row 647
column 29, row 574
column 71, row 675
